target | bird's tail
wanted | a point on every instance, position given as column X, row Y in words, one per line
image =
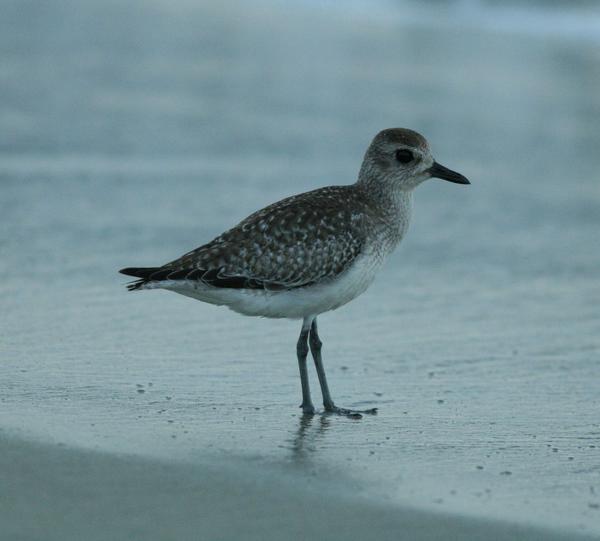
column 143, row 273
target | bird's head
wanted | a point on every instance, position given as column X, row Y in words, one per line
column 399, row 158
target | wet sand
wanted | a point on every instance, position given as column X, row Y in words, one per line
column 51, row 492
column 135, row 132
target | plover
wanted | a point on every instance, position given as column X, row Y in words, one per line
column 309, row 253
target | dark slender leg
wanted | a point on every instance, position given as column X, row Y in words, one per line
column 315, row 349
column 302, row 352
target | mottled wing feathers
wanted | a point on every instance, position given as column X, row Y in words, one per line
column 210, row 277
column 295, row 242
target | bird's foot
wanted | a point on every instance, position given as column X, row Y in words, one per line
column 352, row 414
column 307, row 409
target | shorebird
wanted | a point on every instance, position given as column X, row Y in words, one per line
column 309, row 253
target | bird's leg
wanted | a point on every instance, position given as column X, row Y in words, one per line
column 315, row 349
column 302, row 352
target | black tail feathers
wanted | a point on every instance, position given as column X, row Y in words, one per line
column 139, row 272
column 143, row 273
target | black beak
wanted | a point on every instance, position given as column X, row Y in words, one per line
column 439, row 171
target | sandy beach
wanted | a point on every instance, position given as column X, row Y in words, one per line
column 51, row 492
column 134, row 132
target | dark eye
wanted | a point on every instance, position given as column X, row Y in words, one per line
column 404, row 156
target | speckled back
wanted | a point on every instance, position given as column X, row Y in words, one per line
column 296, row 241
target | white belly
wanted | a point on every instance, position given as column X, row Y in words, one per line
column 295, row 303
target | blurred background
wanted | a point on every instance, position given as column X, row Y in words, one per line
column 132, row 132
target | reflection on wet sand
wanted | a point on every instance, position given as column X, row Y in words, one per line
column 311, row 430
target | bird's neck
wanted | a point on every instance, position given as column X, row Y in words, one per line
column 389, row 200
column 391, row 208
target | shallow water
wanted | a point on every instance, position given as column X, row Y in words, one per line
column 133, row 134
